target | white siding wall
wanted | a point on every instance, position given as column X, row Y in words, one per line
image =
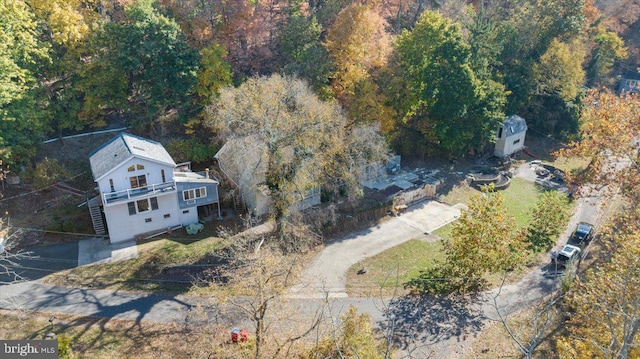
column 123, row 226
column 505, row 146
column 188, row 215
column 121, row 176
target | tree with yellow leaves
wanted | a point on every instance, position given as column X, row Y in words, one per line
column 484, row 240
column 559, row 71
column 357, row 43
column 609, row 130
column 68, row 22
column 606, row 301
column 354, row 338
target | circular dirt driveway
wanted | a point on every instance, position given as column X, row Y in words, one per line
column 327, row 272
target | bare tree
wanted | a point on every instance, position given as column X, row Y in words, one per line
column 10, row 255
column 295, row 142
column 542, row 320
column 259, row 276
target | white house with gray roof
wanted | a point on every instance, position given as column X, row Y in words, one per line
column 142, row 191
column 510, row 136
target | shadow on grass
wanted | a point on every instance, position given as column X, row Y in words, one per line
column 126, row 310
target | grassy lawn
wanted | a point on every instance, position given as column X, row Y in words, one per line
column 458, row 194
column 570, row 165
column 139, row 274
column 392, row 268
column 519, row 198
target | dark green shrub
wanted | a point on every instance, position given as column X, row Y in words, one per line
column 68, row 226
column 191, row 150
column 48, row 172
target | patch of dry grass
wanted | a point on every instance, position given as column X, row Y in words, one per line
column 145, row 272
column 494, row 341
column 111, row 338
column 458, row 194
column 571, row 164
column 387, row 272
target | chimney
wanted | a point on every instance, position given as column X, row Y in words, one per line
column 206, row 173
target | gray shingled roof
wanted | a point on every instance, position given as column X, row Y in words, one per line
column 123, row 147
column 514, row 124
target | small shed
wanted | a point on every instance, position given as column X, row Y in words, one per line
column 510, row 136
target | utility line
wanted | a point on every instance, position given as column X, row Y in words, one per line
column 59, row 232
column 86, row 134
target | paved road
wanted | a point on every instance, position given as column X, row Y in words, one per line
column 38, row 262
column 101, row 303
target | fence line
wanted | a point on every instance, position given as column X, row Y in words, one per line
column 86, row 134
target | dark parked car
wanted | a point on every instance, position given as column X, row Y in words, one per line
column 583, row 232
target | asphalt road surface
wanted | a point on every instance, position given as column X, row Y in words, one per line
column 37, row 262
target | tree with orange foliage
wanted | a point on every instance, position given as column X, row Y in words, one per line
column 606, row 301
column 357, row 43
column 609, row 130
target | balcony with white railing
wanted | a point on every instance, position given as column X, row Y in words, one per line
column 138, row 193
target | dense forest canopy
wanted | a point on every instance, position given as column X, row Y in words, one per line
column 435, row 76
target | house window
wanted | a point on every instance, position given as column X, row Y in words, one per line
column 143, row 205
column 516, row 141
column 147, row 220
column 195, row 193
column 135, row 167
column 167, row 215
column 138, row 181
column 132, row 208
column 111, row 185
column 500, row 132
column 154, row 203
column 164, row 179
